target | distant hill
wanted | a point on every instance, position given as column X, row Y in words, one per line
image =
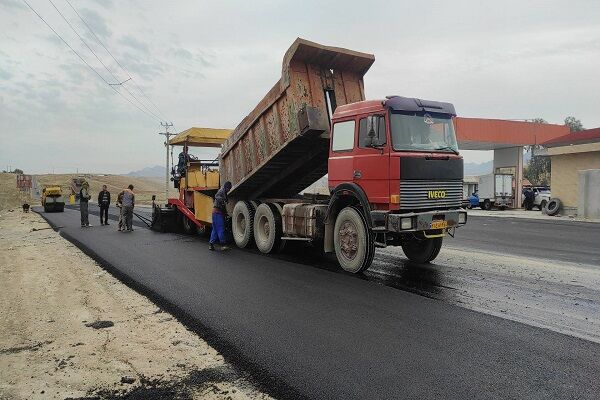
column 149, row 172
column 479, row 169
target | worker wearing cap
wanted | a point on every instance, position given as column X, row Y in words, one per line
column 84, row 197
column 218, row 218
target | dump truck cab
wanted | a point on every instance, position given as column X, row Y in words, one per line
column 396, row 161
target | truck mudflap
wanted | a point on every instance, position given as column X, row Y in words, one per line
column 426, row 221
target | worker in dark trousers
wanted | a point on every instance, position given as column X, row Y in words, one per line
column 529, row 199
column 119, row 205
column 84, row 197
column 128, row 202
column 104, row 203
column 218, row 218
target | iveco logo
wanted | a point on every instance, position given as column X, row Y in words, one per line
column 436, row 194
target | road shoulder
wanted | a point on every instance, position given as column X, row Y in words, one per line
column 70, row 329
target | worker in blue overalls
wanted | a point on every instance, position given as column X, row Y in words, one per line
column 218, row 218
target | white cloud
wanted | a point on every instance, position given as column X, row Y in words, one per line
column 208, row 64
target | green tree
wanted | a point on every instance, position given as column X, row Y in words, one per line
column 539, row 121
column 17, row 171
column 538, row 170
column 574, row 124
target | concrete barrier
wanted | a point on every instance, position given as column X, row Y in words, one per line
column 589, row 194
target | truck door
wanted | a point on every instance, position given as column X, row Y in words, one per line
column 371, row 160
column 340, row 164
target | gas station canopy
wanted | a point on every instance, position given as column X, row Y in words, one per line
column 204, row 137
column 492, row 134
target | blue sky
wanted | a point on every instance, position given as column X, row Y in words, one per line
column 208, row 64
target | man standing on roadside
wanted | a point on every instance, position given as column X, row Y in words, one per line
column 218, row 218
column 84, row 197
column 120, row 207
column 104, row 203
column 128, row 202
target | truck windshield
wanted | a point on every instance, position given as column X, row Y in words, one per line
column 423, row 131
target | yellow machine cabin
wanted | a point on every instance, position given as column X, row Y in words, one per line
column 197, row 180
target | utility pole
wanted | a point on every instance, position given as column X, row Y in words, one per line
column 167, row 134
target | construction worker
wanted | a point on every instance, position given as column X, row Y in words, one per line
column 119, row 205
column 184, row 158
column 218, row 218
column 84, row 197
column 128, row 202
column 104, row 203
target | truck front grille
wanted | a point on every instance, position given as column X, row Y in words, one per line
column 415, row 194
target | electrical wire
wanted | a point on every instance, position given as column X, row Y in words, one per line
column 82, row 59
column 101, row 62
column 115, row 59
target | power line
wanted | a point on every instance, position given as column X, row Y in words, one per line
column 101, row 62
column 115, row 59
column 82, row 59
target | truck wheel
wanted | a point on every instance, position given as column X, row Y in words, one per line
column 242, row 221
column 487, row 205
column 267, row 228
column 422, row 251
column 543, row 205
column 354, row 244
column 553, row 207
column 188, row 226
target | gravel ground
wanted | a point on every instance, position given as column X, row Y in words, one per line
column 71, row 330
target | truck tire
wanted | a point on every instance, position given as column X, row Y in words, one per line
column 188, row 226
column 487, row 205
column 422, row 251
column 553, row 207
column 267, row 228
column 242, row 221
column 353, row 242
column 543, row 205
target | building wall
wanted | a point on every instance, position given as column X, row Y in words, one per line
column 589, row 194
column 564, row 182
column 511, row 157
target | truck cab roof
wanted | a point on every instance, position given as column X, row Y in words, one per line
column 395, row 103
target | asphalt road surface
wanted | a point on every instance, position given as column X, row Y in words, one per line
column 481, row 322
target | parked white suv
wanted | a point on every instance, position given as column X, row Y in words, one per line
column 542, row 197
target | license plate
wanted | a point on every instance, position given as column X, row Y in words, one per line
column 439, row 224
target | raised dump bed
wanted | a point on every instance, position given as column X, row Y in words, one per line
column 281, row 147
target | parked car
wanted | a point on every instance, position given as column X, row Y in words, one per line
column 542, row 197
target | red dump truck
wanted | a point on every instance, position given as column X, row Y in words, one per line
column 394, row 172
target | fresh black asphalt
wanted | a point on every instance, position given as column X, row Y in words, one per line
column 314, row 333
column 571, row 241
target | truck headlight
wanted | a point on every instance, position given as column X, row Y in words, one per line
column 405, row 223
column 462, row 218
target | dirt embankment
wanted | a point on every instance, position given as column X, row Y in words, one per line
column 10, row 196
column 71, row 330
column 143, row 187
